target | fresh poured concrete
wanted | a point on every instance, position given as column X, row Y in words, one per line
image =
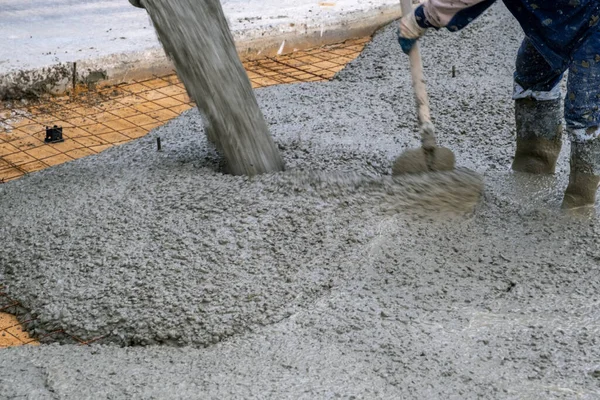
column 274, row 288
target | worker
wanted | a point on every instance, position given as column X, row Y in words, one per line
column 560, row 35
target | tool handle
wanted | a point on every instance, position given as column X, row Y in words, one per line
column 421, row 98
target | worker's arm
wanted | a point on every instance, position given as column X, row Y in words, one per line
column 452, row 14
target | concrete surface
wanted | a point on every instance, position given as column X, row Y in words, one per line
column 111, row 41
column 281, row 290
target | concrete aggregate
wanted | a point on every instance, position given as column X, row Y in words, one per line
column 323, row 284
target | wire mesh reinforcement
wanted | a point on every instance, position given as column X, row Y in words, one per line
column 94, row 120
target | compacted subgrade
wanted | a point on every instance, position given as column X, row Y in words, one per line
column 279, row 289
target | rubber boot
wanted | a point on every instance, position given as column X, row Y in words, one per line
column 584, row 178
column 539, row 135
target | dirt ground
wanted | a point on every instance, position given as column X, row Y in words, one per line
column 204, row 285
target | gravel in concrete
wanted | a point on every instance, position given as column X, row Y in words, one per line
column 285, row 290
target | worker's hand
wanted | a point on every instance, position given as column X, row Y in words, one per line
column 136, row 3
column 409, row 31
column 406, row 44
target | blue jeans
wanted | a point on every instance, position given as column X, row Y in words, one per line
column 534, row 78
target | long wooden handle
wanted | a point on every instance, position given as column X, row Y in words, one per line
column 422, row 100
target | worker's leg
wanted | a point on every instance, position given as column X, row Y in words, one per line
column 538, row 114
column 582, row 114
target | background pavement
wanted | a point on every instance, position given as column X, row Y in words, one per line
column 112, row 42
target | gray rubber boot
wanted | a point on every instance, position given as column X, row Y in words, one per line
column 539, row 135
column 584, row 178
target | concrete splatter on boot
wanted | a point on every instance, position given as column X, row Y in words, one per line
column 584, row 178
column 539, row 135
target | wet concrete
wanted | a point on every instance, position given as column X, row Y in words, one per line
column 285, row 290
column 196, row 36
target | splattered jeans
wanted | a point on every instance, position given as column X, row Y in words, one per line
column 534, row 78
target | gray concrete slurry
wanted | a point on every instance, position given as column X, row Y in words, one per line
column 217, row 82
column 274, row 288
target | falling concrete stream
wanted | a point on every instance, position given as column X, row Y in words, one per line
column 196, row 36
column 207, row 285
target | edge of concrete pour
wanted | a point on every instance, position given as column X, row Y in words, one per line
column 129, row 66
